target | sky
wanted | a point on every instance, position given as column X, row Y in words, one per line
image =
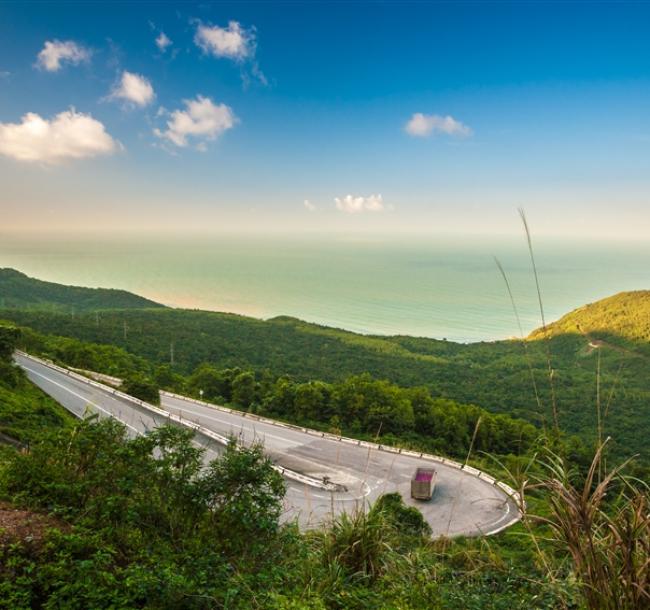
column 333, row 117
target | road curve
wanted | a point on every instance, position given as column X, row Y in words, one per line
column 463, row 504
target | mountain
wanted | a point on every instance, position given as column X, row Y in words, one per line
column 17, row 290
column 497, row 376
column 622, row 320
column 493, row 375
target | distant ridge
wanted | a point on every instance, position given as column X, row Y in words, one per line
column 18, row 290
column 623, row 317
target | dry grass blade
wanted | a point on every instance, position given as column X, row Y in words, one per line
column 608, row 541
column 521, row 333
column 551, row 372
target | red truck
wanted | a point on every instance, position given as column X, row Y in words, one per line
column 423, row 483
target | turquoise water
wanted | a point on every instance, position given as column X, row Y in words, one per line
column 437, row 287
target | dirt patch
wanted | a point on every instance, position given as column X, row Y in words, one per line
column 28, row 527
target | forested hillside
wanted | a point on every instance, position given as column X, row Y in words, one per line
column 496, row 376
column 622, row 319
column 19, row 290
column 93, row 518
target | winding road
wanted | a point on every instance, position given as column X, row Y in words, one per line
column 465, row 502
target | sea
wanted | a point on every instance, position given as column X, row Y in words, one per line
column 445, row 287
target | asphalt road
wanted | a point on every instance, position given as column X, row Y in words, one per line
column 462, row 504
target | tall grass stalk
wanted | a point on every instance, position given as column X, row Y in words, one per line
column 608, row 541
column 551, row 372
column 521, row 334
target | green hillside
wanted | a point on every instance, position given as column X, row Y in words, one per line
column 94, row 518
column 622, row 320
column 493, row 375
column 505, row 377
column 20, row 291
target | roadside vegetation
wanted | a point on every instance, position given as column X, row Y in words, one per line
column 495, row 376
column 91, row 518
column 25, row 411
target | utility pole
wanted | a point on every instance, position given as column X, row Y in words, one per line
column 97, row 318
column 171, row 354
column 125, row 329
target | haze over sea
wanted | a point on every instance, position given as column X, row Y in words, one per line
column 441, row 287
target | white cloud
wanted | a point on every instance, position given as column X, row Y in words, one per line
column 233, row 42
column 309, row 206
column 423, row 125
column 356, row 205
column 202, row 119
column 134, row 88
column 69, row 135
column 56, row 52
column 163, row 41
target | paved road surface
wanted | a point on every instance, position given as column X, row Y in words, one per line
column 462, row 503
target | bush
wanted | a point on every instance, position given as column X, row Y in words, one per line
column 142, row 388
column 151, row 527
column 8, row 340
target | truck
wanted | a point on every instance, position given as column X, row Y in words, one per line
column 423, row 483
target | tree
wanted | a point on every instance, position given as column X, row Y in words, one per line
column 8, row 339
column 244, row 389
column 142, row 388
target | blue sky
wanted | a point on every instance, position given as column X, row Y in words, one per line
column 542, row 105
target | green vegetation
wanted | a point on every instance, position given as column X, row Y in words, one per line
column 25, row 412
column 358, row 405
column 141, row 388
column 20, row 291
column 109, row 521
column 141, row 525
column 622, row 319
column 496, row 376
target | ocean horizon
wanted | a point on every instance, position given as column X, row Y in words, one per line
column 440, row 287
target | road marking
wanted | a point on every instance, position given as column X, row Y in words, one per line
column 250, row 427
column 494, row 526
column 501, row 518
column 84, row 398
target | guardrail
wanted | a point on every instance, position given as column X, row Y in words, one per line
column 509, row 491
column 289, row 474
column 286, row 472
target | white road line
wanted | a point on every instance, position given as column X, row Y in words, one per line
column 84, row 398
column 501, row 518
column 248, row 428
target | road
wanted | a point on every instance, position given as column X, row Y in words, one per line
column 463, row 504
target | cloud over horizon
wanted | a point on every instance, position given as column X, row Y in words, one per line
column 356, row 205
column 56, row 52
column 423, row 125
column 134, row 89
column 69, row 135
column 202, row 120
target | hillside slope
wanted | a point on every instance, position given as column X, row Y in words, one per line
column 494, row 375
column 17, row 290
column 622, row 320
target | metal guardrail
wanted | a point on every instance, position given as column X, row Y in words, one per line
column 509, row 491
column 286, row 472
column 289, row 474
